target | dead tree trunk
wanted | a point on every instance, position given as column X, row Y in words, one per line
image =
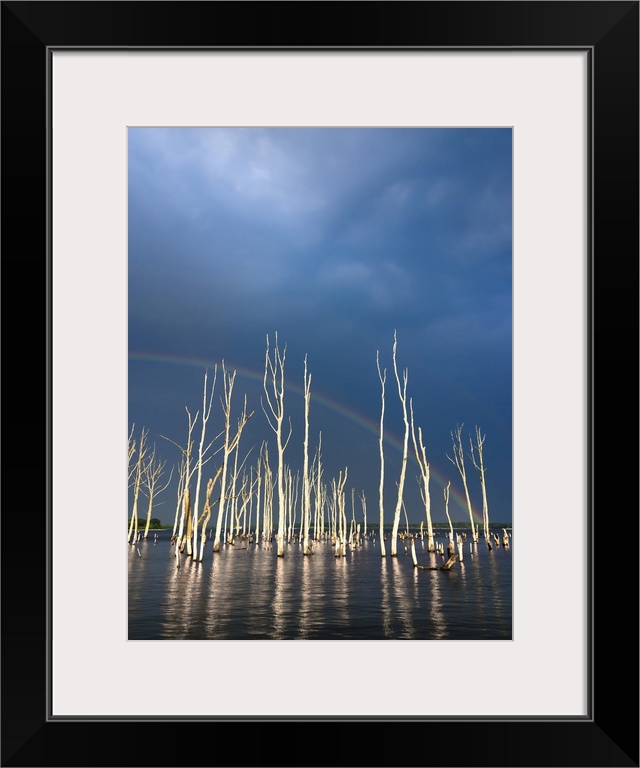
column 228, row 380
column 202, row 450
column 258, row 492
column 479, row 465
column 132, row 469
column 318, row 529
column 306, row 480
column 182, row 472
column 186, row 515
column 267, row 514
column 188, row 472
column 206, row 513
column 137, row 483
column 402, row 394
column 425, row 472
column 383, row 377
column 458, row 461
column 274, row 369
column 152, row 473
column 446, row 509
column 363, row 501
column 341, row 542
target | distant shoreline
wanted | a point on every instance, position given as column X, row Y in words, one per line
column 375, row 527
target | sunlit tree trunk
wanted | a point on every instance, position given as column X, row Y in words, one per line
column 414, row 557
column 479, row 465
column 274, row 370
column 446, row 509
column 188, row 472
column 137, row 483
column 333, row 512
column 185, row 517
column 228, row 447
column 206, row 512
column 363, row 500
column 291, row 493
column 306, row 480
column 421, row 458
column 319, row 496
column 324, row 510
column 258, row 492
column 131, row 473
column 342, row 516
column 202, row 450
column 458, row 461
column 402, row 393
column 233, row 499
column 182, row 472
column 228, row 380
column 152, row 473
column 267, row 524
column 245, row 494
column 383, row 377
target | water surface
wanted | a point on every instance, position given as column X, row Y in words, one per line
column 246, row 592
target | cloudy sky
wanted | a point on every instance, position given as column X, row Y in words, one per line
column 333, row 239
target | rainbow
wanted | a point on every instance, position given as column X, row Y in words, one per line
column 343, row 411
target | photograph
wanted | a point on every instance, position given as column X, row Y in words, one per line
column 343, row 282
column 320, row 383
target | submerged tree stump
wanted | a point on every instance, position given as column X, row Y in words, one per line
column 445, row 567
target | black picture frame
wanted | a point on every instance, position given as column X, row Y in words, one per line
column 608, row 736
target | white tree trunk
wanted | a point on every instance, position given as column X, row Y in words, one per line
column 425, row 472
column 402, row 393
column 306, row 480
column 458, row 461
column 206, row 411
column 479, row 465
column 142, row 453
column 383, row 378
column 275, row 369
column 446, row 509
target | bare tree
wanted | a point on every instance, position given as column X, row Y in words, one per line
column 363, row 501
column 319, row 496
column 383, row 377
column 206, row 512
column 425, row 472
column 233, row 496
column 202, row 450
column 479, row 465
column 182, row 479
column 402, row 394
column 267, row 514
column 131, row 471
column 446, row 509
column 341, row 540
column 186, row 472
column 137, row 482
column 186, row 515
column 458, row 461
column 228, row 380
column 274, row 370
column 306, row 479
column 152, row 474
column 258, row 491
column 131, row 448
column 291, row 490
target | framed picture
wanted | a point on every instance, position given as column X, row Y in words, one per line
column 562, row 78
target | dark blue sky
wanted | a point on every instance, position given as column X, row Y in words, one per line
column 334, row 239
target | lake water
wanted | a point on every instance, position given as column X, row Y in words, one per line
column 246, row 592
